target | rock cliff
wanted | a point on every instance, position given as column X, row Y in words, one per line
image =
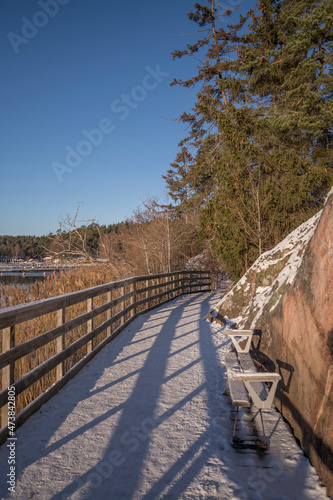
column 286, row 296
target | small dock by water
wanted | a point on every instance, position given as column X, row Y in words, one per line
column 5, row 269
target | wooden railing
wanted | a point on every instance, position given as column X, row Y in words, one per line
column 82, row 323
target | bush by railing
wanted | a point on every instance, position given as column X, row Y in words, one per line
column 70, row 329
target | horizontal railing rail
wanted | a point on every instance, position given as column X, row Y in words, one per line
column 78, row 325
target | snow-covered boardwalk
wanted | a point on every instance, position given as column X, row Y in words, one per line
column 146, row 419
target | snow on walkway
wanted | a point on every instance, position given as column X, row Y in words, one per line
column 146, row 419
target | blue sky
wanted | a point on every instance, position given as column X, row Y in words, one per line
column 87, row 111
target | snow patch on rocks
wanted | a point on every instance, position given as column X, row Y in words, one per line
column 264, row 283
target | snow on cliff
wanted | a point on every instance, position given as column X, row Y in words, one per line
column 265, row 282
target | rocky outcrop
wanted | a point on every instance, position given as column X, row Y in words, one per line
column 287, row 297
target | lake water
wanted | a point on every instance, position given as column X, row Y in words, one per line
column 17, row 278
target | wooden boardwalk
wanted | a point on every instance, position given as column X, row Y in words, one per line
column 146, row 419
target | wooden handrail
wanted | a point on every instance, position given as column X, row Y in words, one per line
column 156, row 289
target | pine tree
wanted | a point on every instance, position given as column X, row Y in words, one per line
column 261, row 125
column 178, row 183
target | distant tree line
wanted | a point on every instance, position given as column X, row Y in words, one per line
column 24, row 247
column 38, row 247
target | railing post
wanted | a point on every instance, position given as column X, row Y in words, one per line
column 7, row 373
column 90, row 326
column 133, row 299
column 109, row 313
column 147, row 294
column 60, row 370
column 122, row 319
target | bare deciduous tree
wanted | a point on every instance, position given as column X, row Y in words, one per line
column 72, row 240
